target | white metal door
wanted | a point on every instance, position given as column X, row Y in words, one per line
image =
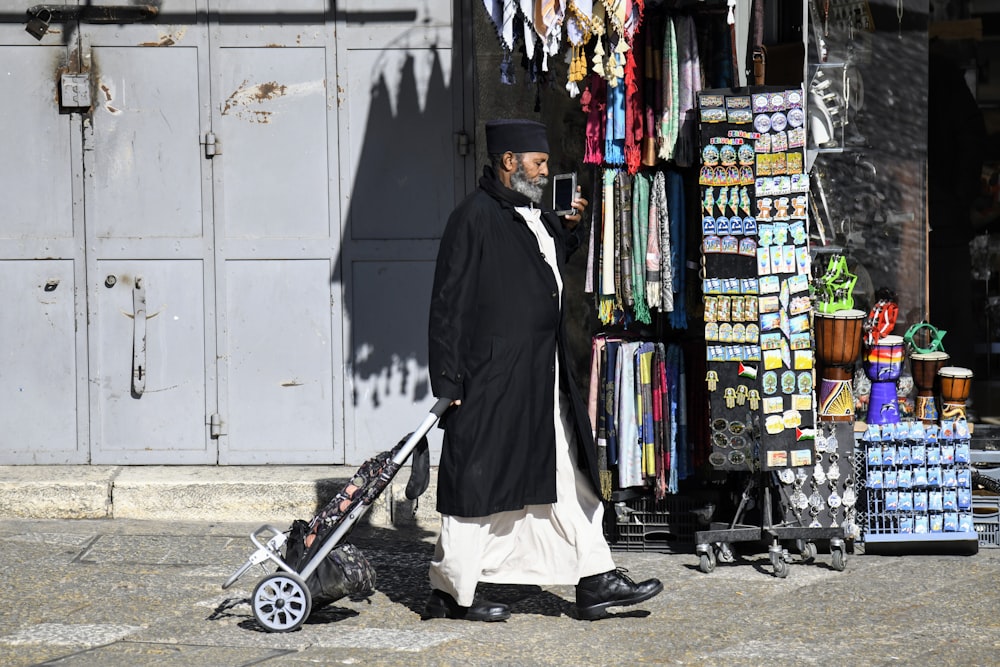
column 149, row 245
column 274, row 115
column 43, row 360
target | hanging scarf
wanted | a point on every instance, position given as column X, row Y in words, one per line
column 633, row 92
column 640, row 233
column 676, row 448
column 659, row 428
column 676, row 205
column 596, row 383
column 629, row 452
column 623, row 237
column 669, row 120
column 502, row 14
column 614, row 131
column 599, row 414
column 688, row 84
column 606, row 298
column 666, row 258
column 588, row 286
column 609, row 406
column 653, row 258
column 594, row 103
column 644, row 412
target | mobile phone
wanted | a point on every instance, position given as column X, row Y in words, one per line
column 563, row 193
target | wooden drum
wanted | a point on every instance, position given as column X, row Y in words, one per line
column 956, row 383
column 838, row 341
column 838, row 345
column 924, row 367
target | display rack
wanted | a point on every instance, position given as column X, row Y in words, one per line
column 760, row 348
column 918, row 487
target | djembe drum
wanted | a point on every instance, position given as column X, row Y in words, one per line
column 956, row 382
column 838, row 344
column 925, row 367
column 883, row 365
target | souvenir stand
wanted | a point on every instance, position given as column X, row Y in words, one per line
column 758, row 330
column 915, row 472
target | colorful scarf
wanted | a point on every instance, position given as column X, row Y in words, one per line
column 640, row 234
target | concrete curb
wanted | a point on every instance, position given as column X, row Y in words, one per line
column 265, row 494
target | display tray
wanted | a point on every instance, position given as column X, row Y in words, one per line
column 957, row 544
column 920, row 537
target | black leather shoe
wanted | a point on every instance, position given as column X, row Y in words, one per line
column 596, row 593
column 442, row 605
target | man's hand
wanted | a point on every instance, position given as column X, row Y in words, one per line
column 579, row 204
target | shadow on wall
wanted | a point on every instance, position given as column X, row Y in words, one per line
column 403, row 190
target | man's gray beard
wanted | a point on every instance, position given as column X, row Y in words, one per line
column 533, row 190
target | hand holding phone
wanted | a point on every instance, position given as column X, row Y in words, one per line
column 563, row 193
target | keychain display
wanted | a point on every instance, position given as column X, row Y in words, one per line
column 918, row 483
column 822, row 494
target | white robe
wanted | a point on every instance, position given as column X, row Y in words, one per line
column 552, row 544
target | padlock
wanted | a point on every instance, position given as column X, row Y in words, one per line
column 38, row 24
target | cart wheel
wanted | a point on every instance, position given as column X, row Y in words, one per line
column 838, row 559
column 281, row 602
column 707, row 562
column 808, row 552
column 725, row 553
column 780, row 566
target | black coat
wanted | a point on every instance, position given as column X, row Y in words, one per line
column 496, row 326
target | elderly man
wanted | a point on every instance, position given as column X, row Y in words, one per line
column 518, row 481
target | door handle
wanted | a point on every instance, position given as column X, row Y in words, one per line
column 138, row 337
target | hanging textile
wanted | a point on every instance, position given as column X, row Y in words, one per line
column 669, row 117
column 644, row 410
column 640, row 237
column 614, row 130
column 633, row 92
column 689, row 82
column 677, row 210
column 660, row 409
column 629, row 453
column 606, row 262
column 623, row 281
column 594, row 103
column 637, row 248
column 653, row 258
column 639, row 413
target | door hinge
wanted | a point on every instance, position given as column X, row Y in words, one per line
column 462, row 143
column 217, row 427
column 212, row 145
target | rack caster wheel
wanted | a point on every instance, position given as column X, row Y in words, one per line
column 838, row 559
column 706, row 563
column 706, row 557
column 725, row 553
column 779, row 564
column 807, row 551
column 281, row 602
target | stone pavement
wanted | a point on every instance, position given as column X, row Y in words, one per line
column 127, row 592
